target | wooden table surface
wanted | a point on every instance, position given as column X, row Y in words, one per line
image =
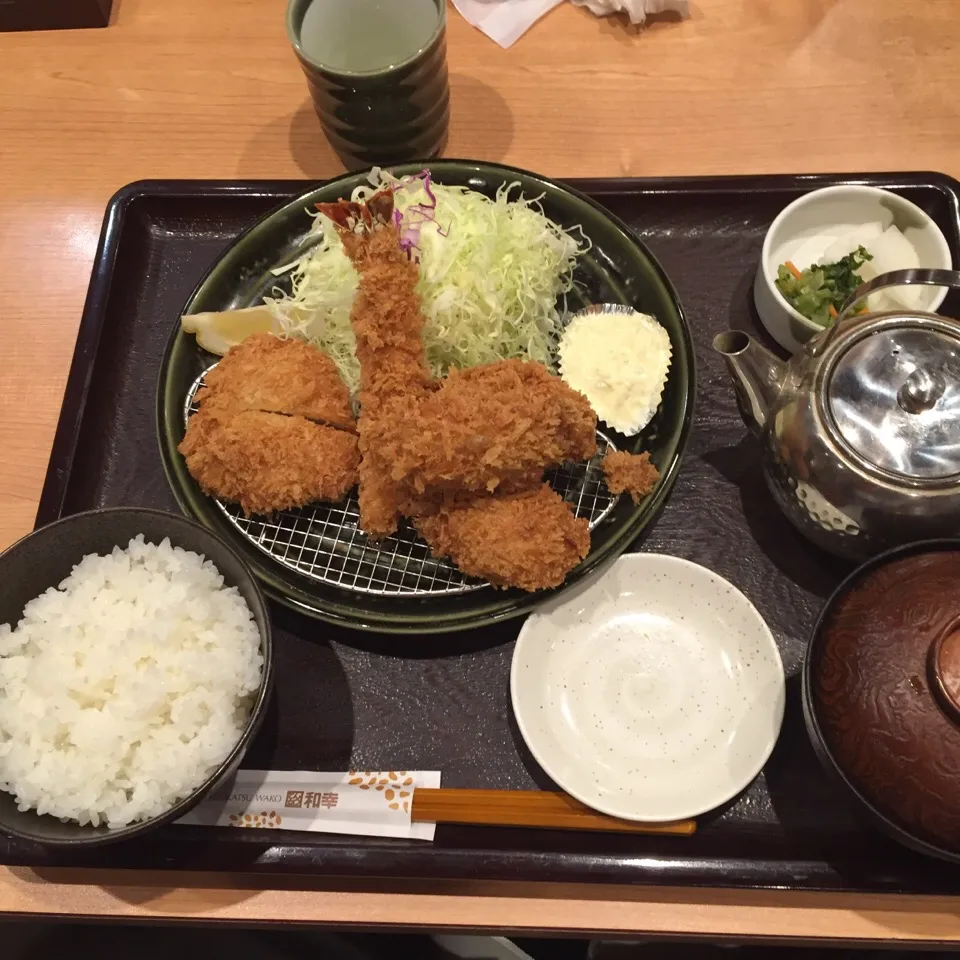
column 181, row 88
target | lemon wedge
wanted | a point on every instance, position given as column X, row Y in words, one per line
column 217, row 332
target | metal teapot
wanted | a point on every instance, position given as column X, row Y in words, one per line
column 860, row 430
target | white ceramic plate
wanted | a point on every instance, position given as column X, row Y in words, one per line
column 652, row 693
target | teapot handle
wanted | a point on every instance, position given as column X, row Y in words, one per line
column 895, row 278
column 900, row 278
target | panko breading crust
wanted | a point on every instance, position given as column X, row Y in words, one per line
column 501, row 423
column 254, row 440
column 631, row 473
column 268, row 461
column 387, row 320
column 279, row 376
column 529, row 540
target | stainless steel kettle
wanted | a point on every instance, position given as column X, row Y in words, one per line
column 860, row 430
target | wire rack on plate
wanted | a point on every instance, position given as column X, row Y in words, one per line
column 324, row 541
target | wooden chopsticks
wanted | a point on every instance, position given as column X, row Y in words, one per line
column 527, row 808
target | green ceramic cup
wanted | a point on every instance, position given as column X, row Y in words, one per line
column 382, row 93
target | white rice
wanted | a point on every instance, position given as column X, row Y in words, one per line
column 123, row 689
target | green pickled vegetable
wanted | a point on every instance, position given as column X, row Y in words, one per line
column 820, row 291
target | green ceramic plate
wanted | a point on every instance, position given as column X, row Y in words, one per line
column 315, row 560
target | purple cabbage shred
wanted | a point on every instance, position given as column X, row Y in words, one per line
column 410, row 223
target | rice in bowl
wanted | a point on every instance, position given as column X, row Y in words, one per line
column 123, row 689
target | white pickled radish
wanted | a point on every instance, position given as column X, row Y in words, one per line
column 893, row 251
column 861, row 236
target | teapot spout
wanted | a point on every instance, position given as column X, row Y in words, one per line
column 757, row 375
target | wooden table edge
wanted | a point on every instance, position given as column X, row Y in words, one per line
column 577, row 910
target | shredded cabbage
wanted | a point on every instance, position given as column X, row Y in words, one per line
column 494, row 275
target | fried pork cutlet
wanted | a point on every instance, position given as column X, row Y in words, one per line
column 279, row 376
column 529, row 540
column 631, row 473
column 254, row 440
column 267, row 461
column 387, row 320
column 492, row 427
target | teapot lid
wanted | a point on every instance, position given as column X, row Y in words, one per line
column 893, row 396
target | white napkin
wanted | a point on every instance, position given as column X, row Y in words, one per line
column 505, row 21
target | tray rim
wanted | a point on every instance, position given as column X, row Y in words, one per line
column 343, row 856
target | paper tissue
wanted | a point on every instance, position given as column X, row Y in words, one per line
column 636, row 10
column 505, row 21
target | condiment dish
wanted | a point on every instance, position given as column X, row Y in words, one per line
column 652, row 693
column 806, row 228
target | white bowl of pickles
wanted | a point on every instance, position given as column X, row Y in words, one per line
column 827, row 243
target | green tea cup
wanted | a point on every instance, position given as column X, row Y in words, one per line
column 377, row 73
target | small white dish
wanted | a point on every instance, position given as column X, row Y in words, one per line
column 806, row 228
column 652, row 693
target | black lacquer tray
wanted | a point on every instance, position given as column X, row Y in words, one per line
column 349, row 700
